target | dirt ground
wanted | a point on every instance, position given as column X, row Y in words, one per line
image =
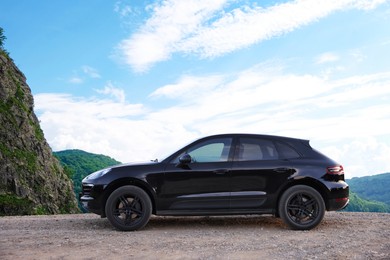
column 341, row 235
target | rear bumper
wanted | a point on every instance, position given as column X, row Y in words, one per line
column 338, row 197
column 338, row 204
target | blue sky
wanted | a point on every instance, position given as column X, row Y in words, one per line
column 137, row 79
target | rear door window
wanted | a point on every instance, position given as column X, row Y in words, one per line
column 255, row 149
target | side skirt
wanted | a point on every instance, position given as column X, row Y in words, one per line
column 212, row 212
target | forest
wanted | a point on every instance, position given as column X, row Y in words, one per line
column 370, row 193
column 78, row 164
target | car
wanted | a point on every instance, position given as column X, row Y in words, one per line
column 226, row 174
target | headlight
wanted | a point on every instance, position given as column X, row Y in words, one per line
column 97, row 174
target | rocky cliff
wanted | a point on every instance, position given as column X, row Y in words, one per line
column 31, row 178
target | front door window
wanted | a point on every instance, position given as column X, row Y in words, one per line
column 215, row 150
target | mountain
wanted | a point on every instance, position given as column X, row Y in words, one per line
column 376, row 187
column 358, row 204
column 370, row 193
column 79, row 164
column 32, row 180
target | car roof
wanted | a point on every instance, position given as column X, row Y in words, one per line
column 255, row 135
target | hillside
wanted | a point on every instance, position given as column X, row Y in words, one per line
column 79, row 164
column 358, row 204
column 370, row 193
column 374, row 187
column 31, row 179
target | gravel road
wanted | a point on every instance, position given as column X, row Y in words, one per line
column 341, row 235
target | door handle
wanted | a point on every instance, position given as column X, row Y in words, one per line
column 281, row 170
column 221, row 171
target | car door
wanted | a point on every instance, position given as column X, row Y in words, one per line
column 257, row 173
column 202, row 184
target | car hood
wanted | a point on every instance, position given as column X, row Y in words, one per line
column 133, row 164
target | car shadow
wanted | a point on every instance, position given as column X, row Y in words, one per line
column 331, row 222
column 204, row 222
column 215, row 221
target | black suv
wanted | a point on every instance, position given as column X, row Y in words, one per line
column 222, row 175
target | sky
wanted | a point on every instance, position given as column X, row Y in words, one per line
column 136, row 80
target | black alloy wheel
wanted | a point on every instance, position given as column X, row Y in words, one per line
column 301, row 207
column 128, row 208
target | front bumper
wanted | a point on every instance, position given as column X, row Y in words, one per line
column 90, row 198
column 84, row 200
column 90, row 204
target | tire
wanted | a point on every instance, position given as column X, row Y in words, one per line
column 128, row 208
column 301, row 207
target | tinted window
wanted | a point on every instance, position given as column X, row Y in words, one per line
column 286, row 152
column 216, row 150
column 252, row 149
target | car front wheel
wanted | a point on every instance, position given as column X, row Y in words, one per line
column 301, row 207
column 128, row 208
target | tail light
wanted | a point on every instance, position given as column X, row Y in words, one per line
column 335, row 170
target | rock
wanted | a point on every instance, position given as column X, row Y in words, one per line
column 31, row 178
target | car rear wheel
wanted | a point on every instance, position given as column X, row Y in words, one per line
column 128, row 208
column 301, row 207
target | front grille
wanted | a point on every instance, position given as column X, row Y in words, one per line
column 87, row 188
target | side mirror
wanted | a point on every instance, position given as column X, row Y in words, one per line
column 185, row 159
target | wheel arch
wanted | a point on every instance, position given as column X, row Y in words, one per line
column 313, row 183
column 125, row 182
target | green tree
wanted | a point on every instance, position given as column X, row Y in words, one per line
column 2, row 38
column 78, row 164
column 358, row 204
column 375, row 187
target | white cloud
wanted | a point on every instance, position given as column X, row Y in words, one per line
column 123, row 9
column 80, row 108
column 86, row 72
column 327, row 57
column 76, row 80
column 296, row 105
column 117, row 93
column 362, row 157
column 120, row 130
column 170, row 23
column 339, row 116
column 203, row 28
column 188, row 87
column 357, row 55
column 90, row 72
column 245, row 26
column 368, row 4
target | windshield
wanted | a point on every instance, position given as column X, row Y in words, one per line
column 166, row 153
